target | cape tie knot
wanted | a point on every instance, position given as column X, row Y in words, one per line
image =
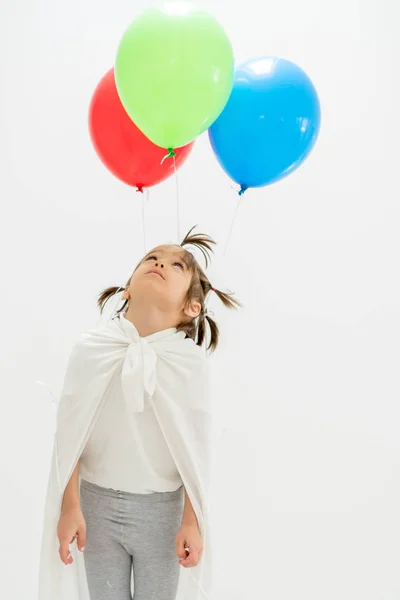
column 138, row 374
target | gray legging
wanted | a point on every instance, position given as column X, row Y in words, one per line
column 126, row 532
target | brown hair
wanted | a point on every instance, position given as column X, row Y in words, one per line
column 198, row 290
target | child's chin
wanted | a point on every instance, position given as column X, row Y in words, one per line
column 153, row 290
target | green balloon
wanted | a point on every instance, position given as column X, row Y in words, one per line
column 174, row 72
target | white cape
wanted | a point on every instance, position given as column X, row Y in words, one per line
column 171, row 370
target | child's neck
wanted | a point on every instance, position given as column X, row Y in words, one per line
column 149, row 320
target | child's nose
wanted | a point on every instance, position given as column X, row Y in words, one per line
column 161, row 265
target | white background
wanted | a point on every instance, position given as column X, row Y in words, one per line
column 306, row 381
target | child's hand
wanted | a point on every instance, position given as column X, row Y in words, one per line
column 189, row 537
column 71, row 524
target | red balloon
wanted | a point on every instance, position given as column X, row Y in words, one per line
column 121, row 146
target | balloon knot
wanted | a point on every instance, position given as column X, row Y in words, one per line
column 139, row 189
column 243, row 188
column 170, row 154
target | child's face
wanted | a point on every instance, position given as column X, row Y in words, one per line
column 163, row 278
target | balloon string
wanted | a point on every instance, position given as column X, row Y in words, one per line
column 199, row 585
column 177, row 202
column 233, row 222
column 144, row 202
column 54, row 399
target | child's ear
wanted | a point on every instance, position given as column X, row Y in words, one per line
column 126, row 294
column 192, row 309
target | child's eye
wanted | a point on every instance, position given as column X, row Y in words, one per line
column 151, row 257
column 179, row 265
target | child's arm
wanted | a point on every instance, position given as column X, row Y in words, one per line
column 71, row 494
column 71, row 523
column 189, row 516
column 188, row 536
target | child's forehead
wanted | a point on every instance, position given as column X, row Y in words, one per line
column 169, row 249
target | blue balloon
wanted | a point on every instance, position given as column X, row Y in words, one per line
column 270, row 123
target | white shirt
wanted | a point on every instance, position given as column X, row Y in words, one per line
column 128, row 452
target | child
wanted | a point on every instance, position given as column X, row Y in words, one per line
column 131, row 456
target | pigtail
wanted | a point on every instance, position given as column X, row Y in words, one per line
column 204, row 318
column 214, row 334
column 201, row 241
column 227, row 299
column 105, row 296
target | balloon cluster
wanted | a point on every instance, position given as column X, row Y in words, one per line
column 174, row 78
